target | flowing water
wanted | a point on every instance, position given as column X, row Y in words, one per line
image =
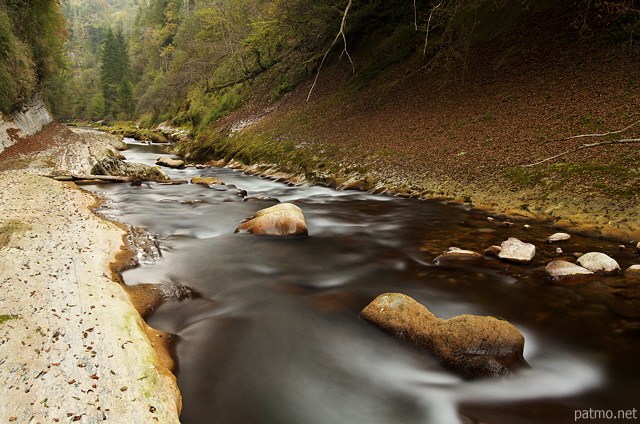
column 273, row 335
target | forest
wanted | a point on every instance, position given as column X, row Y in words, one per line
column 196, row 60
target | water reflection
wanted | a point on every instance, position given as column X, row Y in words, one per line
column 274, row 336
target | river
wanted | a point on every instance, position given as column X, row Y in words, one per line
column 273, row 336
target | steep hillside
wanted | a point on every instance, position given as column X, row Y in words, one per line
column 460, row 126
column 31, row 39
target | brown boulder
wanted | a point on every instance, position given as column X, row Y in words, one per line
column 119, row 168
column 206, row 181
column 171, row 163
column 283, row 219
column 473, row 346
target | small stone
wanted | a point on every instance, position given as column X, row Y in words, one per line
column 527, row 227
column 515, row 250
column 490, row 219
column 558, row 237
column 493, row 251
column 460, row 257
column 599, row 263
column 559, row 250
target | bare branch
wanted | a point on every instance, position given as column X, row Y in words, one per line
column 342, row 35
column 584, row 146
column 426, row 38
column 604, row 134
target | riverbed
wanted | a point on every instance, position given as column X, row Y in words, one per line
column 270, row 331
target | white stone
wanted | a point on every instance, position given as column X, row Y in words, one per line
column 515, row 250
column 560, row 269
column 558, row 237
column 599, row 263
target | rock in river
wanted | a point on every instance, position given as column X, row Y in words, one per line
column 560, row 270
column 120, row 168
column 283, row 219
column 514, row 250
column 470, row 345
column 558, row 237
column 459, row 257
column 633, row 272
column 206, row 181
column 599, row 263
column 171, row 163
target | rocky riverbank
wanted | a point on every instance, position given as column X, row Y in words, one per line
column 72, row 345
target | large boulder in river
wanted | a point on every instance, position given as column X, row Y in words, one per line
column 515, row 250
column 120, row 168
column 459, row 257
column 283, row 219
column 171, row 163
column 473, row 346
column 564, row 271
column 599, row 263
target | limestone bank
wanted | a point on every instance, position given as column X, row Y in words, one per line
column 72, row 345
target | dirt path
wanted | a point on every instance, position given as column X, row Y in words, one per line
column 72, row 346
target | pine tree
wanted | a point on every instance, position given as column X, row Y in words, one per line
column 114, row 75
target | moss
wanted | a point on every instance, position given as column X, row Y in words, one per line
column 524, row 177
column 5, row 318
column 9, row 228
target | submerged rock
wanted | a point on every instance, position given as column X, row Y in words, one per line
column 515, row 250
column 171, row 163
column 206, row 181
column 120, row 168
column 560, row 270
column 558, row 237
column 470, row 345
column 283, row 219
column 599, row 263
column 493, row 251
column 459, row 257
column 633, row 271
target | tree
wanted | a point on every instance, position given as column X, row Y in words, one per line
column 115, row 74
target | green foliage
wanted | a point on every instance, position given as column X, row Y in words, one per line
column 117, row 89
column 31, row 38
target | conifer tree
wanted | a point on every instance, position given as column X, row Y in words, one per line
column 115, row 75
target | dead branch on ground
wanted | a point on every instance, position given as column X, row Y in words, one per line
column 588, row 145
column 584, row 146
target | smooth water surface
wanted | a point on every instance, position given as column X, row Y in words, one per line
column 273, row 335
